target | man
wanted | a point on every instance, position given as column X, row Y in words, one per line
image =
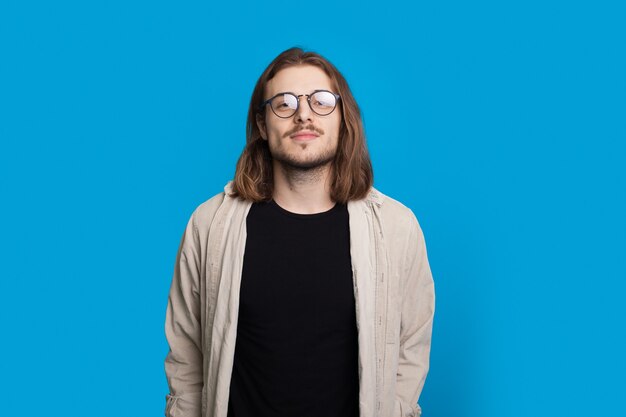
column 300, row 290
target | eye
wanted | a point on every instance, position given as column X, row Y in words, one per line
column 284, row 102
column 323, row 99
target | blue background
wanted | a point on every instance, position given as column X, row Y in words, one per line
column 501, row 124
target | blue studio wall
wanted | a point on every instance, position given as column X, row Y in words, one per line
column 500, row 124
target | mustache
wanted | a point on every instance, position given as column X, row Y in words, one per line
column 299, row 128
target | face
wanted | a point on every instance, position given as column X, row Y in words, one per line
column 305, row 140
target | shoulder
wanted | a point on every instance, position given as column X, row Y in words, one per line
column 220, row 207
column 401, row 229
column 203, row 215
column 394, row 214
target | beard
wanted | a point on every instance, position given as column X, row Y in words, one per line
column 293, row 162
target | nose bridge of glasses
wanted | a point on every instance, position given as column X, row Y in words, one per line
column 299, row 107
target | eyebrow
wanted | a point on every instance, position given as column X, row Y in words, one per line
column 291, row 92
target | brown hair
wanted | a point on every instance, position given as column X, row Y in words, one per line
column 351, row 174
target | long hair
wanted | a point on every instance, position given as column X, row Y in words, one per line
column 351, row 173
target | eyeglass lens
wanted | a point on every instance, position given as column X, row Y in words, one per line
column 321, row 102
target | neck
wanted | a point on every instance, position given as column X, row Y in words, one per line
column 302, row 191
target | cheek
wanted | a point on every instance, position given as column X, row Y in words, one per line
column 275, row 136
column 272, row 129
column 334, row 128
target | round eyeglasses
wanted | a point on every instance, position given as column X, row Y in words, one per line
column 285, row 105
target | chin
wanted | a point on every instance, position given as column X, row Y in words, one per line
column 291, row 162
column 305, row 165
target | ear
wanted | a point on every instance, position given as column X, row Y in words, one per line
column 260, row 123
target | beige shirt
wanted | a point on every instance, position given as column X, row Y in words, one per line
column 393, row 290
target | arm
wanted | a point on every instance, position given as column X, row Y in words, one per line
column 418, row 307
column 183, row 364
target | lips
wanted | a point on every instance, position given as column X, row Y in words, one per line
column 304, row 135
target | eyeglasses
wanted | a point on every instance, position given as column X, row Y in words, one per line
column 285, row 105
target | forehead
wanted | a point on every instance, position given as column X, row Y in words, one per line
column 301, row 79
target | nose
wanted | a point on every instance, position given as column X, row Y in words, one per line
column 303, row 113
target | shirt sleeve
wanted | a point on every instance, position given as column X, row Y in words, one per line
column 183, row 364
column 418, row 307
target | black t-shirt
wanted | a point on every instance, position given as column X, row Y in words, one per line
column 297, row 348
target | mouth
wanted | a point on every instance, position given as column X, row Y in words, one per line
column 304, row 135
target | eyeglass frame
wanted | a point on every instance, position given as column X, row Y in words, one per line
column 308, row 99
